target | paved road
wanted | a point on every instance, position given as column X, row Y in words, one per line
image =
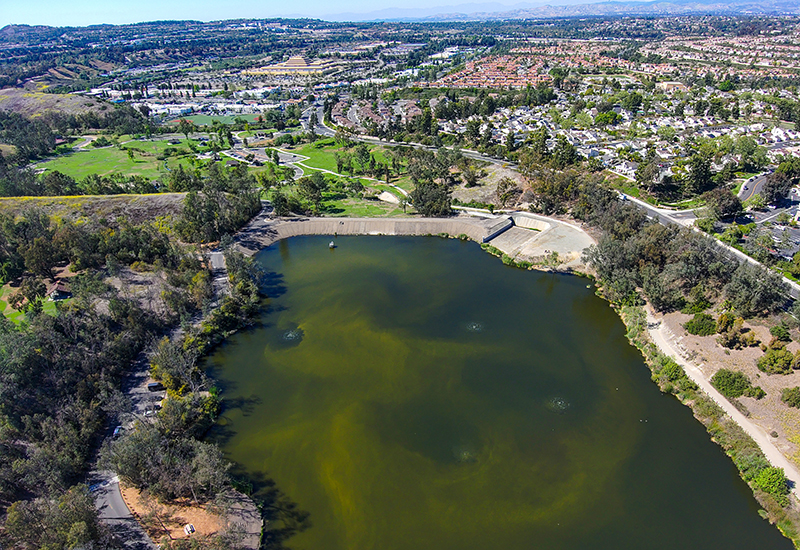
column 114, row 512
column 753, row 187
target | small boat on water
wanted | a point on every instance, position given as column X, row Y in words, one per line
column 332, row 245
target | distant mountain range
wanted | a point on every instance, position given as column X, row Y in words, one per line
column 495, row 11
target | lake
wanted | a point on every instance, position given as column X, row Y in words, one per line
column 415, row 393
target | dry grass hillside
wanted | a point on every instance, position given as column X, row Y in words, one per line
column 134, row 208
column 29, row 103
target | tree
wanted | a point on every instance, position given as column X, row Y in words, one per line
column 699, row 177
column 777, row 187
column 311, row 188
column 186, row 127
column 71, row 521
column 754, row 290
column 279, row 203
column 756, row 202
column 564, row 153
column 506, row 190
column 723, row 203
column 647, row 172
column 431, row 199
column 40, row 256
column 538, row 150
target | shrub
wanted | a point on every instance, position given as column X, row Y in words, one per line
column 791, row 396
column 730, row 383
column 776, row 361
column 773, row 481
column 734, row 384
column 702, row 324
column 725, row 322
column 697, row 306
column 781, row 333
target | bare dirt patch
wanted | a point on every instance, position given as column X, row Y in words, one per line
column 167, row 520
column 486, row 190
column 769, row 413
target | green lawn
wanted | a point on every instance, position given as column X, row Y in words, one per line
column 356, row 208
column 111, row 160
column 319, row 157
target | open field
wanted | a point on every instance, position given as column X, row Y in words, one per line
column 135, row 208
column 113, row 160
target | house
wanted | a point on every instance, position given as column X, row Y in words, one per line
column 59, row 291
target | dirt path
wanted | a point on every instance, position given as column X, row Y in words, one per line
column 665, row 340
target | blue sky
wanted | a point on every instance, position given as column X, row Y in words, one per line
column 89, row 12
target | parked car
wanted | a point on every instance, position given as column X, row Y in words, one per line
column 155, row 386
column 118, row 431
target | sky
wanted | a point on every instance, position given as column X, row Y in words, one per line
column 62, row 13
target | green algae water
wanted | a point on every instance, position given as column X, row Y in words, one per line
column 415, row 393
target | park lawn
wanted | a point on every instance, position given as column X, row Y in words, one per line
column 111, row 160
column 356, row 208
column 105, row 161
column 205, row 120
column 404, row 182
column 319, row 157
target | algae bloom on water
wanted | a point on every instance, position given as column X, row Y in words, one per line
column 385, row 422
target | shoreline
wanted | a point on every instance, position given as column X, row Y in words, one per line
column 662, row 337
column 512, row 234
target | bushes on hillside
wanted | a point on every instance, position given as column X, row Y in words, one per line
column 773, row 482
column 791, row 396
column 734, row 384
column 702, row 324
column 776, row 361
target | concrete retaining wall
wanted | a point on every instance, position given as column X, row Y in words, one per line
column 257, row 238
column 529, row 222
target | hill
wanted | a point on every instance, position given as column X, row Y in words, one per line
column 134, row 208
column 31, row 104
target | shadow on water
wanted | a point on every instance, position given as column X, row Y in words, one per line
column 272, row 284
column 283, row 518
column 245, row 404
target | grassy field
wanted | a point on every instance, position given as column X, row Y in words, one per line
column 113, row 160
column 355, row 208
column 321, row 155
column 204, row 120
